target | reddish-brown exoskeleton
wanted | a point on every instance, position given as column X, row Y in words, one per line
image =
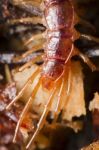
column 59, row 48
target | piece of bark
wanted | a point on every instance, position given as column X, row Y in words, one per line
column 93, row 146
column 94, row 104
column 9, row 118
column 94, row 108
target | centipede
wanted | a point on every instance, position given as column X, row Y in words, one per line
column 59, row 18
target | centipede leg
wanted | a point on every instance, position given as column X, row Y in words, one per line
column 23, row 89
column 33, row 20
column 42, row 119
column 58, row 106
column 69, row 87
column 27, row 53
column 86, row 23
column 34, row 38
column 37, row 58
column 26, row 108
column 66, row 80
column 90, row 38
column 21, row 3
column 85, row 59
column 35, row 48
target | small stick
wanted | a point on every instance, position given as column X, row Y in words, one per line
column 8, row 74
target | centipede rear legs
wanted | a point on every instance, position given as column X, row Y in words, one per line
column 65, row 87
column 26, row 108
column 28, row 104
column 61, row 86
column 30, row 80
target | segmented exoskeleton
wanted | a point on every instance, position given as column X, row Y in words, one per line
column 60, row 19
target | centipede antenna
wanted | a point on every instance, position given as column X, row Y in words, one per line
column 34, row 38
column 23, row 89
column 35, row 48
column 37, row 58
column 90, row 38
column 26, row 108
column 33, row 20
column 42, row 119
